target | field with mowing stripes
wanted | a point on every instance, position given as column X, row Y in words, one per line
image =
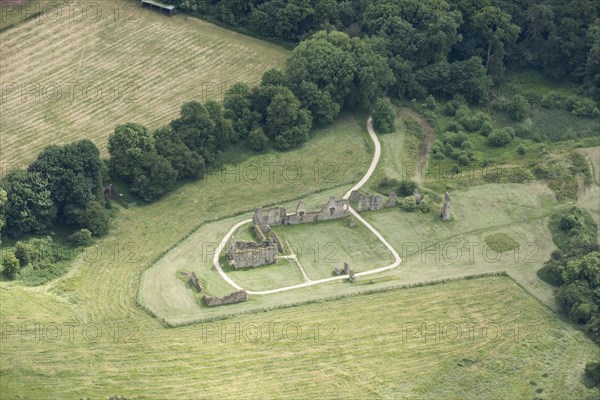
column 493, row 341
column 79, row 77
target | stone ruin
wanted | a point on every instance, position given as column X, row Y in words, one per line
column 346, row 271
column 351, row 277
column 251, row 254
column 276, row 216
column 418, row 196
column 235, row 297
column 372, row 202
column 196, row 282
column 445, row 211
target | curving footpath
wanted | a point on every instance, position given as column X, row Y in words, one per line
column 365, row 178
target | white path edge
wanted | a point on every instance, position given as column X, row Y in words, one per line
column 365, row 178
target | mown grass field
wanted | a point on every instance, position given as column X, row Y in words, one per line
column 493, row 341
column 78, row 75
column 322, row 246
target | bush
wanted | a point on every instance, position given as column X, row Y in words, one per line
column 95, row 218
column 257, row 139
column 384, row 116
column 521, row 150
column 472, row 122
column 552, row 101
column 387, row 183
column 82, row 237
column 39, row 251
column 430, row 103
column 11, row 265
column 551, row 273
column 449, row 109
column 518, row 108
column 406, row 188
column 585, row 108
column 409, row 204
column 583, row 312
column 501, row 137
column 486, row 128
column 592, row 370
column 425, row 204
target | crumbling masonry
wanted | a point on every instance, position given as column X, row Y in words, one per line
column 251, row 254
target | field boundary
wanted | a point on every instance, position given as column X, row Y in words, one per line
column 324, row 299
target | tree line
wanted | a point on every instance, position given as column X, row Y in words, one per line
column 423, row 40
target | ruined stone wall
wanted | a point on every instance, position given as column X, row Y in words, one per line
column 372, row 202
column 235, row 297
column 249, row 254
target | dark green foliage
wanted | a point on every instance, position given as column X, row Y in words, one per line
column 519, row 107
column 387, row 184
column 197, row 130
column 257, row 139
column 472, row 122
column 82, row 237
column 187, row 163
column 319, row 102
column 501, row 137
column 408, row 204
column 384, row 116
column 287, row 124
column 29, row 207
column 406, row 188
column 592, row 370
column 575, row 267
column 11, row 265
column 95, row 218
column 237, row 103
column 153, row 177
column 39, row 252
column 74, row 176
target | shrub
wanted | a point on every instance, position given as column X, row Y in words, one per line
column 388, row 183
column 11, row 265
column 384, row 116
column 406, row 188
column 94, row 218
column 592, row 370
column 425, row 204
column 521, row 150
column 501, row 137
column 518, row 108
column 551, row 273
column 409, row 204
column 552, row 101
column 430, row 103
column 486, row 128
column 472, row 122
column 449, row 109
column 257, row 139
column 585, row 108
column 82, row 237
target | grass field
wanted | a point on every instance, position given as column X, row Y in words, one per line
column 434, row 250
column 322, row 246
column 493, row 341
column 66, row 78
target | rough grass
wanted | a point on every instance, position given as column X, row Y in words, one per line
column 501, row 242
column 134, row 66
column 465, row 339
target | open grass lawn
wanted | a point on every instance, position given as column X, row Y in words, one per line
column 67, row 78
column 322, row 246
column 432, row 250
column 473, row 339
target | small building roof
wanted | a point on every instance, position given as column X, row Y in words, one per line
column 159, row 4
